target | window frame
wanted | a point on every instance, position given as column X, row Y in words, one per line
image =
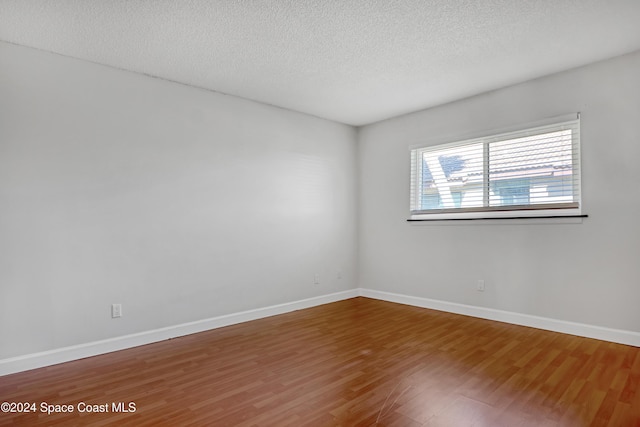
column 544, row 210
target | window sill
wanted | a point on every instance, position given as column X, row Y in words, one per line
column 512, row 219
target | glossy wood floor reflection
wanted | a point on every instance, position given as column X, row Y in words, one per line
column 359, row 362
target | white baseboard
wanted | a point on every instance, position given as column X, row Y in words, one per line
column 66, row 354
column 80, row 351
column 572, row 328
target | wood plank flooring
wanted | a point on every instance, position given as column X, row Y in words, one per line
column 359, row 362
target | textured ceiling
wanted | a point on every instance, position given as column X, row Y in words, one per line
column 352, row 61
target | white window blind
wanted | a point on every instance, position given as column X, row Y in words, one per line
column 532, row 171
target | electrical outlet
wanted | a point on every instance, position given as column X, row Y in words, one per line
column 339, row 274
column 116, row 310
column 316, row 279
column 481, row 285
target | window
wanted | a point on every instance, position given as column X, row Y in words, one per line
column 531, row 172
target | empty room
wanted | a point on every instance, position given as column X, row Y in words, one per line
column 320, row 213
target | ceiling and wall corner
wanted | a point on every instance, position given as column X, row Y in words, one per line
column 581, row 272
column 354, row 62
column 177, row 203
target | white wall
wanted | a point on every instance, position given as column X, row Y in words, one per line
column 587, row 272
column 184, row 204
column 179, row 203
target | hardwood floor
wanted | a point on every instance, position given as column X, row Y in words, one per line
column 359, row 362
